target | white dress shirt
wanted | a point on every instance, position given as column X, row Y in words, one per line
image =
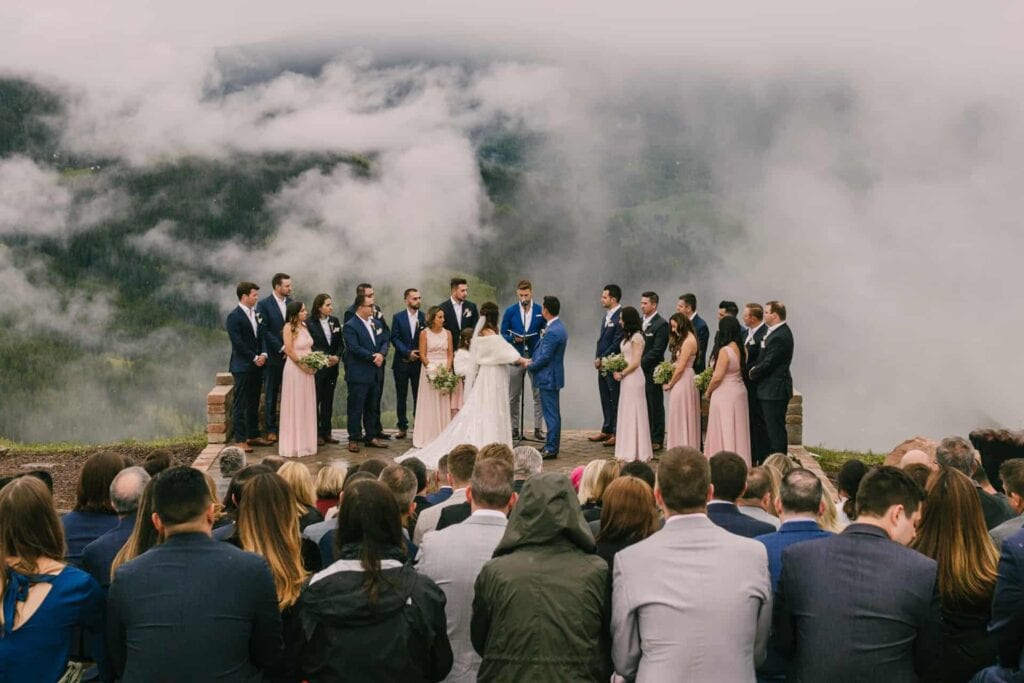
column 369, row 328
column 414, row 320
column 772, row 328
column 648, row 318
column 283, row 306
column 751, row 332
column 610, row 313
column 325, row 323
column 457, row 305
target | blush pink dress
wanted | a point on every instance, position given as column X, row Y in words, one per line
column 632, row 429
column 297, row 435
column 683, row 419
column 433, row 409
column 728, row 416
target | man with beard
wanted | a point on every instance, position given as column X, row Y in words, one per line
column 405, row 336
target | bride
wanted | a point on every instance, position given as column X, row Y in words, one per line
column 484, row 417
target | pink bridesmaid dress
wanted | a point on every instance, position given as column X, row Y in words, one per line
column 632, row 430
column 683, row 420
column 297, row 435
column 433, row 409
column 728, row 419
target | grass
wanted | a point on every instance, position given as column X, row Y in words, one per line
column 832, row 460
column 197, row 440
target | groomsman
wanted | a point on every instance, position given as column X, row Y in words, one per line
column 272, row 308
column 325, row 329
column 687, row 305
column 405, row 337
column 725, row 308
column 608, row 342
column 772, row 377
column 459, row 313
column 655, row 342
column 378, row 316
column 547, row 367
column 365, row 347
column 247, row 361
column 753, row 318
column 521, row 326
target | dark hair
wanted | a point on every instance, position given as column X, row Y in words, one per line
column 728, row 475
column 759, row 482
column 690, row 300
column 233, row 496
column 361, row 300
column 318, row 301
column 157, row 461
column 631, row 321
column 676, row 339
column 43, row 476
column 848, row 481
column 489, row 312
column 278, row 278
column 801, row 491
column 461, row 462
column 369, row 516
column 683, row 479
column 650, row 296
column 883, row 487
column 442, row 462
column 357, row 476
column 274, row 462
column 729, row 331
column 552, row 305
column 729, row 307
column 402, row 483
column 614, row 291
column 406, row 293
column 756, row 310
column 291, row 315
column 245, row 287
column 373, row 466
column 465, row 338
column 457, row 282
column 778, row 308
column 180, row 495
column 524, row 284
column 1012, row 474
column 492, row 483
column 640, row 470
column 919, row 472
column 416, row 466
column 362, row 287
column 93, row 493
column 29, row 526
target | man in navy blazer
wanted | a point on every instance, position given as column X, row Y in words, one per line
column 272, row 310
column 192, row 608
column 1007, row 626
column 380, row 321
column 687, row 305
column 125, row 491
column 771, row 377
column 729, row 479
column 325, row 329
column 547, row 367
column 608, row 343
column 406, row 327
column 248, row 357
column 366, row 344
column 521, row 326
column 459, row 312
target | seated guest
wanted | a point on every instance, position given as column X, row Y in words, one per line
column 859, row 605
column 442, row 489
column 1011, row 472
column 144, row 534
column 373, row 466
column 461, row 461
column 93, row 514
column 690, row 578
column 958, row 453
column 847, row 482
column 540, row 609
column 370, row 616
column 640, row 470
column 321, row 533
column 125, row 493
column 596, row 477
column 628, row 515
column 459, row 512
column 401, row 482
column 417, row 467
column 454, row 556
column 952, row 532
column 45, row 601
column 782, row 463
column 329, row 482
column 917, row 457
column 729, row 479
column 233, row 496
column 301, row 482
column 274, row 462
column 160, row 459
column 192, row 609
column 758, row 499
column 919, row 473
column 529, row 462
column 230, row 460
column 1007, row 625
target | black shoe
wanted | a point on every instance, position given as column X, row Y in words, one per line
column 548, row 456
column 382, row 435
column 538, row 435
column 516, row 436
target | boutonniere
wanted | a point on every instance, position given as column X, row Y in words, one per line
column 259, row 319
column 763, row 342
column 543, row 332
column 609, row 324
column 335, row 328
column 467, row 313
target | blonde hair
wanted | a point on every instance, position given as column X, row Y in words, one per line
column 144, row 536
column 301, row 483
column 330, row 480
column 829, row 518
column 597, row 475
column 268, row 525
column 211, row 486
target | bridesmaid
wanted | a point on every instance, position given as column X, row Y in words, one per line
column 728, row 419
column 433, row 409
column 683, row 397
column 298, row 388
column 632, row 431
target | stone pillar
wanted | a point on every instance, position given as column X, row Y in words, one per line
column 795, row 419
column 218, row 409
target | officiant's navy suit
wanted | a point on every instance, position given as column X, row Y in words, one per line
column 273, row 342
column 246, row 345
column 326, row 378
column 364, row 379
column 608, row 343
column 406, row 371
column 512, row 326
column 548, row 369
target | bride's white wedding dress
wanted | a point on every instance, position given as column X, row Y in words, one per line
column 485, row 417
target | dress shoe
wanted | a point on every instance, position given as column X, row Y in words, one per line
column 320, row 441
column 246, row 448
column 548, row 456
column 272, row 437
column 258, row 442
column 386, row 437
column 401, row 434
column 516, row 436
column 610, row 442
column 538, row 435
column 656, row 447
column 600, row 437
column 353, row 447
column 331, row 439
column 376, row 443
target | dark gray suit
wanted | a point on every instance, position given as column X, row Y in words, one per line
column 857, row 607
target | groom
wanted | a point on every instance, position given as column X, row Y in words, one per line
column 548, row 372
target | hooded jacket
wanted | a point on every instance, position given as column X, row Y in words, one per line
column 541, row 606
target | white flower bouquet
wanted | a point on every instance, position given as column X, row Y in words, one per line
column 317, row 360
column 616, row 362
column 663, row 373
column 443, row 379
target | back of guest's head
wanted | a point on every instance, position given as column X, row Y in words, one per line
column 684, row 478
column 268, row 525
column 640, row 470
column 402, row 483
column 211, row 486
column 801, row 491
column 492, row 484
column 93, row 493
column 759, row 484
column 232, row 459
column 373, row 466
column 588, row 481
column 301, row 482
column 461, row 461
column 160, row 459
column 529, row 461
column 919, row 472
column 1012, row 474
column 358, row 476
column 628, row 511
column 883, row 487
column 419, row 470
column 606, row 475
column 956, row 452
column 848, row 481
column 499, row 451
column 369, row 517
column 442, row 466
column 180, row 496
column 728, row 475
column 233, row 496
column 330, row 480
column 43, row 476
column 29, row 527
column 915, row 456
column 144, row 535
column 781, row 462
column 274, row 462
column 126, row 489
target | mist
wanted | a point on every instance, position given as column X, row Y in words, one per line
column 859, row 162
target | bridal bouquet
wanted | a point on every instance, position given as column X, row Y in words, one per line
column 663, row 373
column 704, row 379
column 316, row 360
column 613, row 363
column 443, row 379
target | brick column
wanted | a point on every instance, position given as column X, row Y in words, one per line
column 218, row 409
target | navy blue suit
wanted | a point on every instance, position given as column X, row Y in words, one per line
column 728, row 516
column 326, row 378
column 1007, row 626
column 245, row 347
column 655, row 344
column 774, row 384
column 548, row 369
column 406, row 371
column 272, row 329
column 703, row 335
column 378, row 316
column 99, row 555
column 364, row 379
column 608, row 343
column 512, row 327
column 759, row 444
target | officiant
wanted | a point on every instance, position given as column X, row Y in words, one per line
column 521, row 326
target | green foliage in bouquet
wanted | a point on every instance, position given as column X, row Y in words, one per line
column 443, row 379
column 316, row 360
column 663, row 373
column 616, row 362
column 704, row 379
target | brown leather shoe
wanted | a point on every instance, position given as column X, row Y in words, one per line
column 246, row 448
column 320, row 441
column 401, row 435
column 610, row 442
column 376, row 443
column 258, row 442
column 656, row 447
column 331, row 439
column 600, row 437
column 353, row 447
column 272, row 437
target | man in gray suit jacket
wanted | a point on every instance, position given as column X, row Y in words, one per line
column 454, row 556
column 692, row 602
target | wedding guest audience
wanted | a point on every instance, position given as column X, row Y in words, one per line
column 596, row 477
column 981, row 478
column 958, row 453
column 220, row 518
column 540, row 610
column 453, row 557
column 93, row 514
column 850, row 476
column 233, row 496
column 401, row 482
column 442, row 489
column 829, row 517
column 529, row 462
column 729, row 478
column 783, row 463
column 1007, row 625
column 915, row 456
column 640, row 470
column 628, row 515
column 230, row 460
column 373, row 466
column 125, row 493
column 274, row 462
column 952, row 532
column 877, row 619
column 576, row 477
column 758, row 499
column 461, row 461
column 370, row 616
column 161, row 458
column 301, row 483
column 321, row 532
column 1011, row 472
column 919, row 472
column 144, row 534
column 459, row 512
column 219, row 602
column 329, row 482
column 656, row 598
column 45, row 601
column 419, row 470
